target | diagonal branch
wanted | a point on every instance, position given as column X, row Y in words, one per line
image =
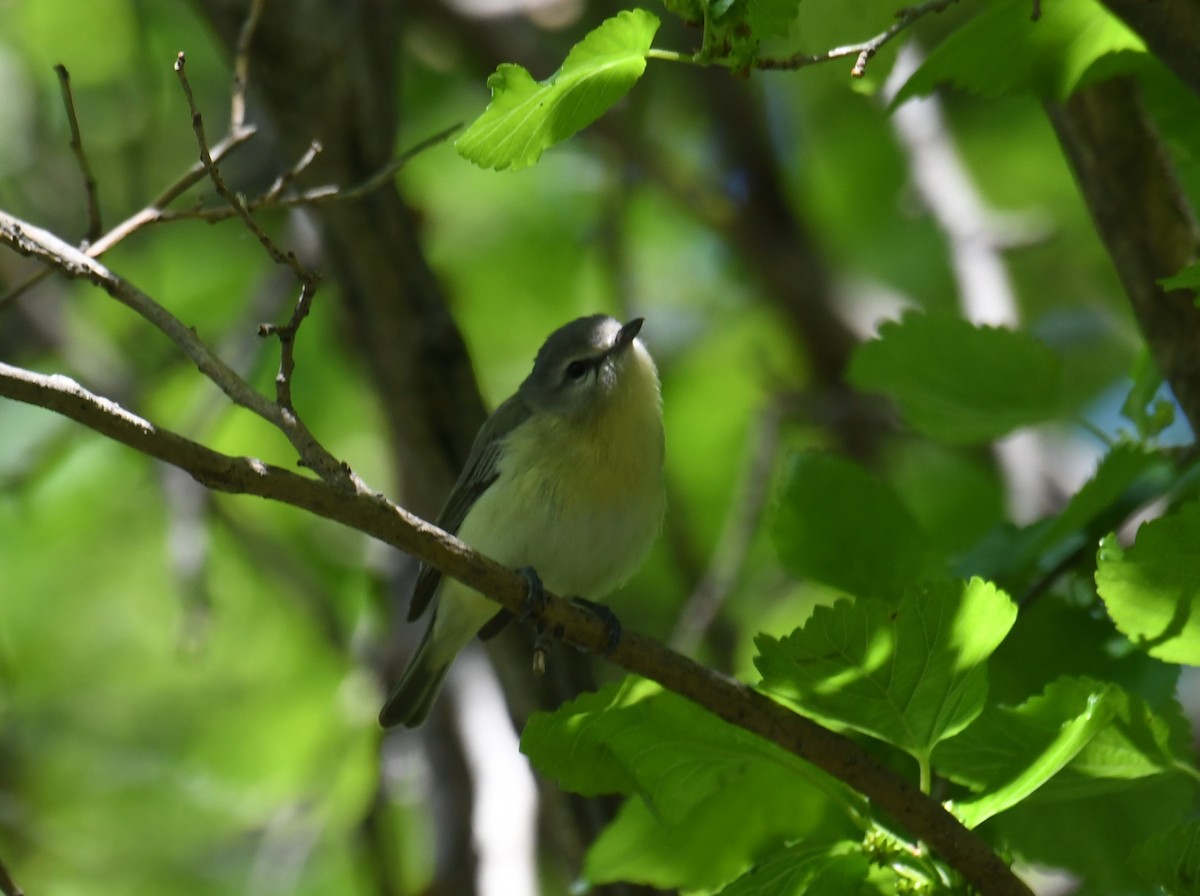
column 374, row 515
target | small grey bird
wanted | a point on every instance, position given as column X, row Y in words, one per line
column 564, row 478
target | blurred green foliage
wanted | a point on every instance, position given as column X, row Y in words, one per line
column 174, row 725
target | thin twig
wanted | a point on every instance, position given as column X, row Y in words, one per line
column 156, row 212
column 862, row 51
column 30, row 240
column 272, row 198
column 241, row 66
column 285, row 180
column 89, row 181
column 236, row 202
column 308, row 285
column 150, row 214
column 287, row 346
column 923, row 817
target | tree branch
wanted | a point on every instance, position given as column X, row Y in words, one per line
column 1142, row 216
column 35, row 242
column 374, row 515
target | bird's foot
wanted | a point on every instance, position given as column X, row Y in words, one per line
column 541, row 648
column 612, row 625
column 535, row 597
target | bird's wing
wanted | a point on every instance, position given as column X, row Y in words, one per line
column 477, row 476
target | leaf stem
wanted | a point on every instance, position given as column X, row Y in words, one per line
column 672, row 56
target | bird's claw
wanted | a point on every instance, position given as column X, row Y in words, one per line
column 535, row 597
column 612, row 625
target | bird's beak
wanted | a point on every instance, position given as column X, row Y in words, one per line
column 627, row 334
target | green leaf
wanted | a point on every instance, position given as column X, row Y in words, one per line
column 1151, row 415
column 772, row 18
column 1079, row 738
column 1011, row 752
column 526, row 116
column 812, row 869
column 957, row 382
column 1035, row 652
column 1094, row 836
column 1171, row 859
column 1126, row 478
column 1152, row 590
column 1188, row 278
column 910, row 676
column 1003, row 52
column 829, row 511
column 690, row 11
column 1119, row 484
column 702, row 849
column 690, row 773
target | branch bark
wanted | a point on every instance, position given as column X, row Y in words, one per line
column 372, row 514
column 1143, row 217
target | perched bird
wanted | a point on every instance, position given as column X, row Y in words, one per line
column 565, row 478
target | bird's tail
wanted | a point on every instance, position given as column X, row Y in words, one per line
column 413, row 697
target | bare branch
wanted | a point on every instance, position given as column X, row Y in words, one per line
column 285, row 180
column 35, row 242
column 861, row 51
column 287, row 347
column 274, row 198
column 89, row 181
column 156, row 211
column 148, row 215
column 241, row 66
column 374, row 515
column 236, row 202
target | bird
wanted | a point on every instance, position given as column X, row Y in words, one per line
column 564, row 482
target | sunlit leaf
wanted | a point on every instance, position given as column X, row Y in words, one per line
column 525, row 116
column 910, row 675
column 1152, row 590
column 1010, row 752
column 1003, row 51
column 1078, row 738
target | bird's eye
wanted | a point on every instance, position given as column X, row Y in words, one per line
column 576, row 369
